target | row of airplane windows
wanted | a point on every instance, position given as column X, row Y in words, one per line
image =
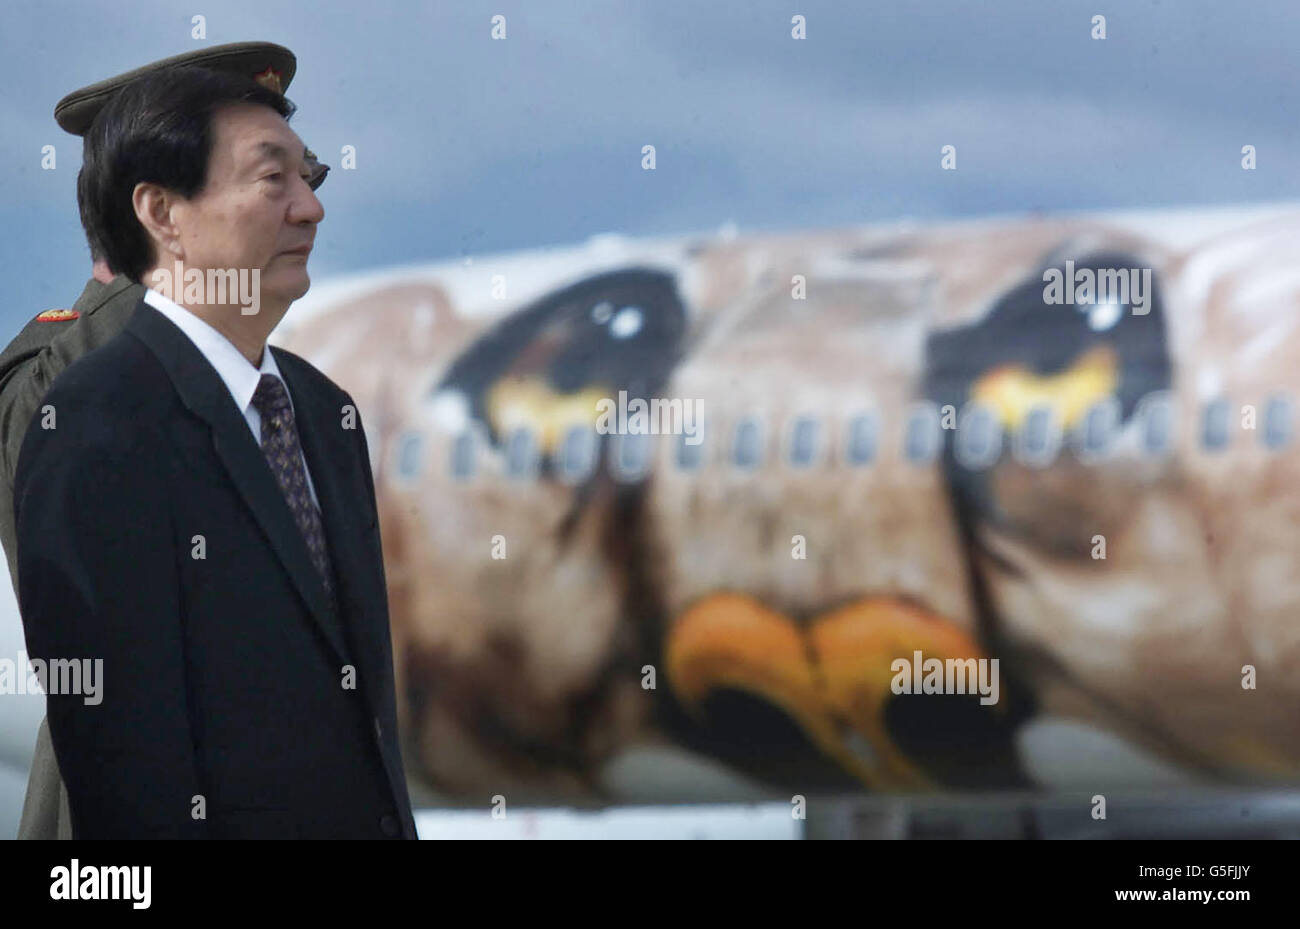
column 978, row 439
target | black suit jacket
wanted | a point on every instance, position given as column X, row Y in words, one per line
column 153, row 535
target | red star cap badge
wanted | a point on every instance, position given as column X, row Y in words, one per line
column 270, row 79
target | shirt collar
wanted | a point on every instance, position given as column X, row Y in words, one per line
column 239, row 375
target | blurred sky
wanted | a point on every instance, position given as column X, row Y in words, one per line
column 468, row 146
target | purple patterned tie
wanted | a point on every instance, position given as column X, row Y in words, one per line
column 284, row 455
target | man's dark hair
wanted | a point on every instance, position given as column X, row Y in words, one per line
column 157, row 129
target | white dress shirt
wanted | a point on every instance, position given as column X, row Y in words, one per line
column 240, row 377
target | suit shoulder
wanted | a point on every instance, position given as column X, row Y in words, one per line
column 310, row 374
column 118, row 379
column 106, row 406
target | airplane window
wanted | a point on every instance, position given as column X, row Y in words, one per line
column 978, row 441
column 803, row 441
column 1214, row 424
column 747, row 450
column 1039, row 438
column 1096, row 431
column 630, row 456
column 577, row 454
column 409, row 449
column 521, row 453
column 464, row 454
column 690, row 457
column 921, row 441
column 861, row 445
column 1157, row 418
column 1277, row 421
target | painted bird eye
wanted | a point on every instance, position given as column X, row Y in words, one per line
column 627, row 323
column 620, row 330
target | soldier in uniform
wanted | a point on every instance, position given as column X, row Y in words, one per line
column 54, row 339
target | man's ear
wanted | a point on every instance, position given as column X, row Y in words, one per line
column 153, row 208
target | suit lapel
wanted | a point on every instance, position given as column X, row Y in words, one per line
column 205, row 394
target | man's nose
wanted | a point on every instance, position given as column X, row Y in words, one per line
column 306, row 207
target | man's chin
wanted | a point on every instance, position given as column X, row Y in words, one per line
column 285, row 287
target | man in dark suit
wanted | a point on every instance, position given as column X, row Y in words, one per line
column 54, row 339
column 196, row 508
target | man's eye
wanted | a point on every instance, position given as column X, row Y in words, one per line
column 273, row 177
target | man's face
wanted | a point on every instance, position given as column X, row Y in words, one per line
column 256, row 210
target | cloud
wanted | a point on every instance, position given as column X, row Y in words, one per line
column 469, row 145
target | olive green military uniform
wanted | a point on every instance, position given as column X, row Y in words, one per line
column 35, row 358
column 28, row 366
